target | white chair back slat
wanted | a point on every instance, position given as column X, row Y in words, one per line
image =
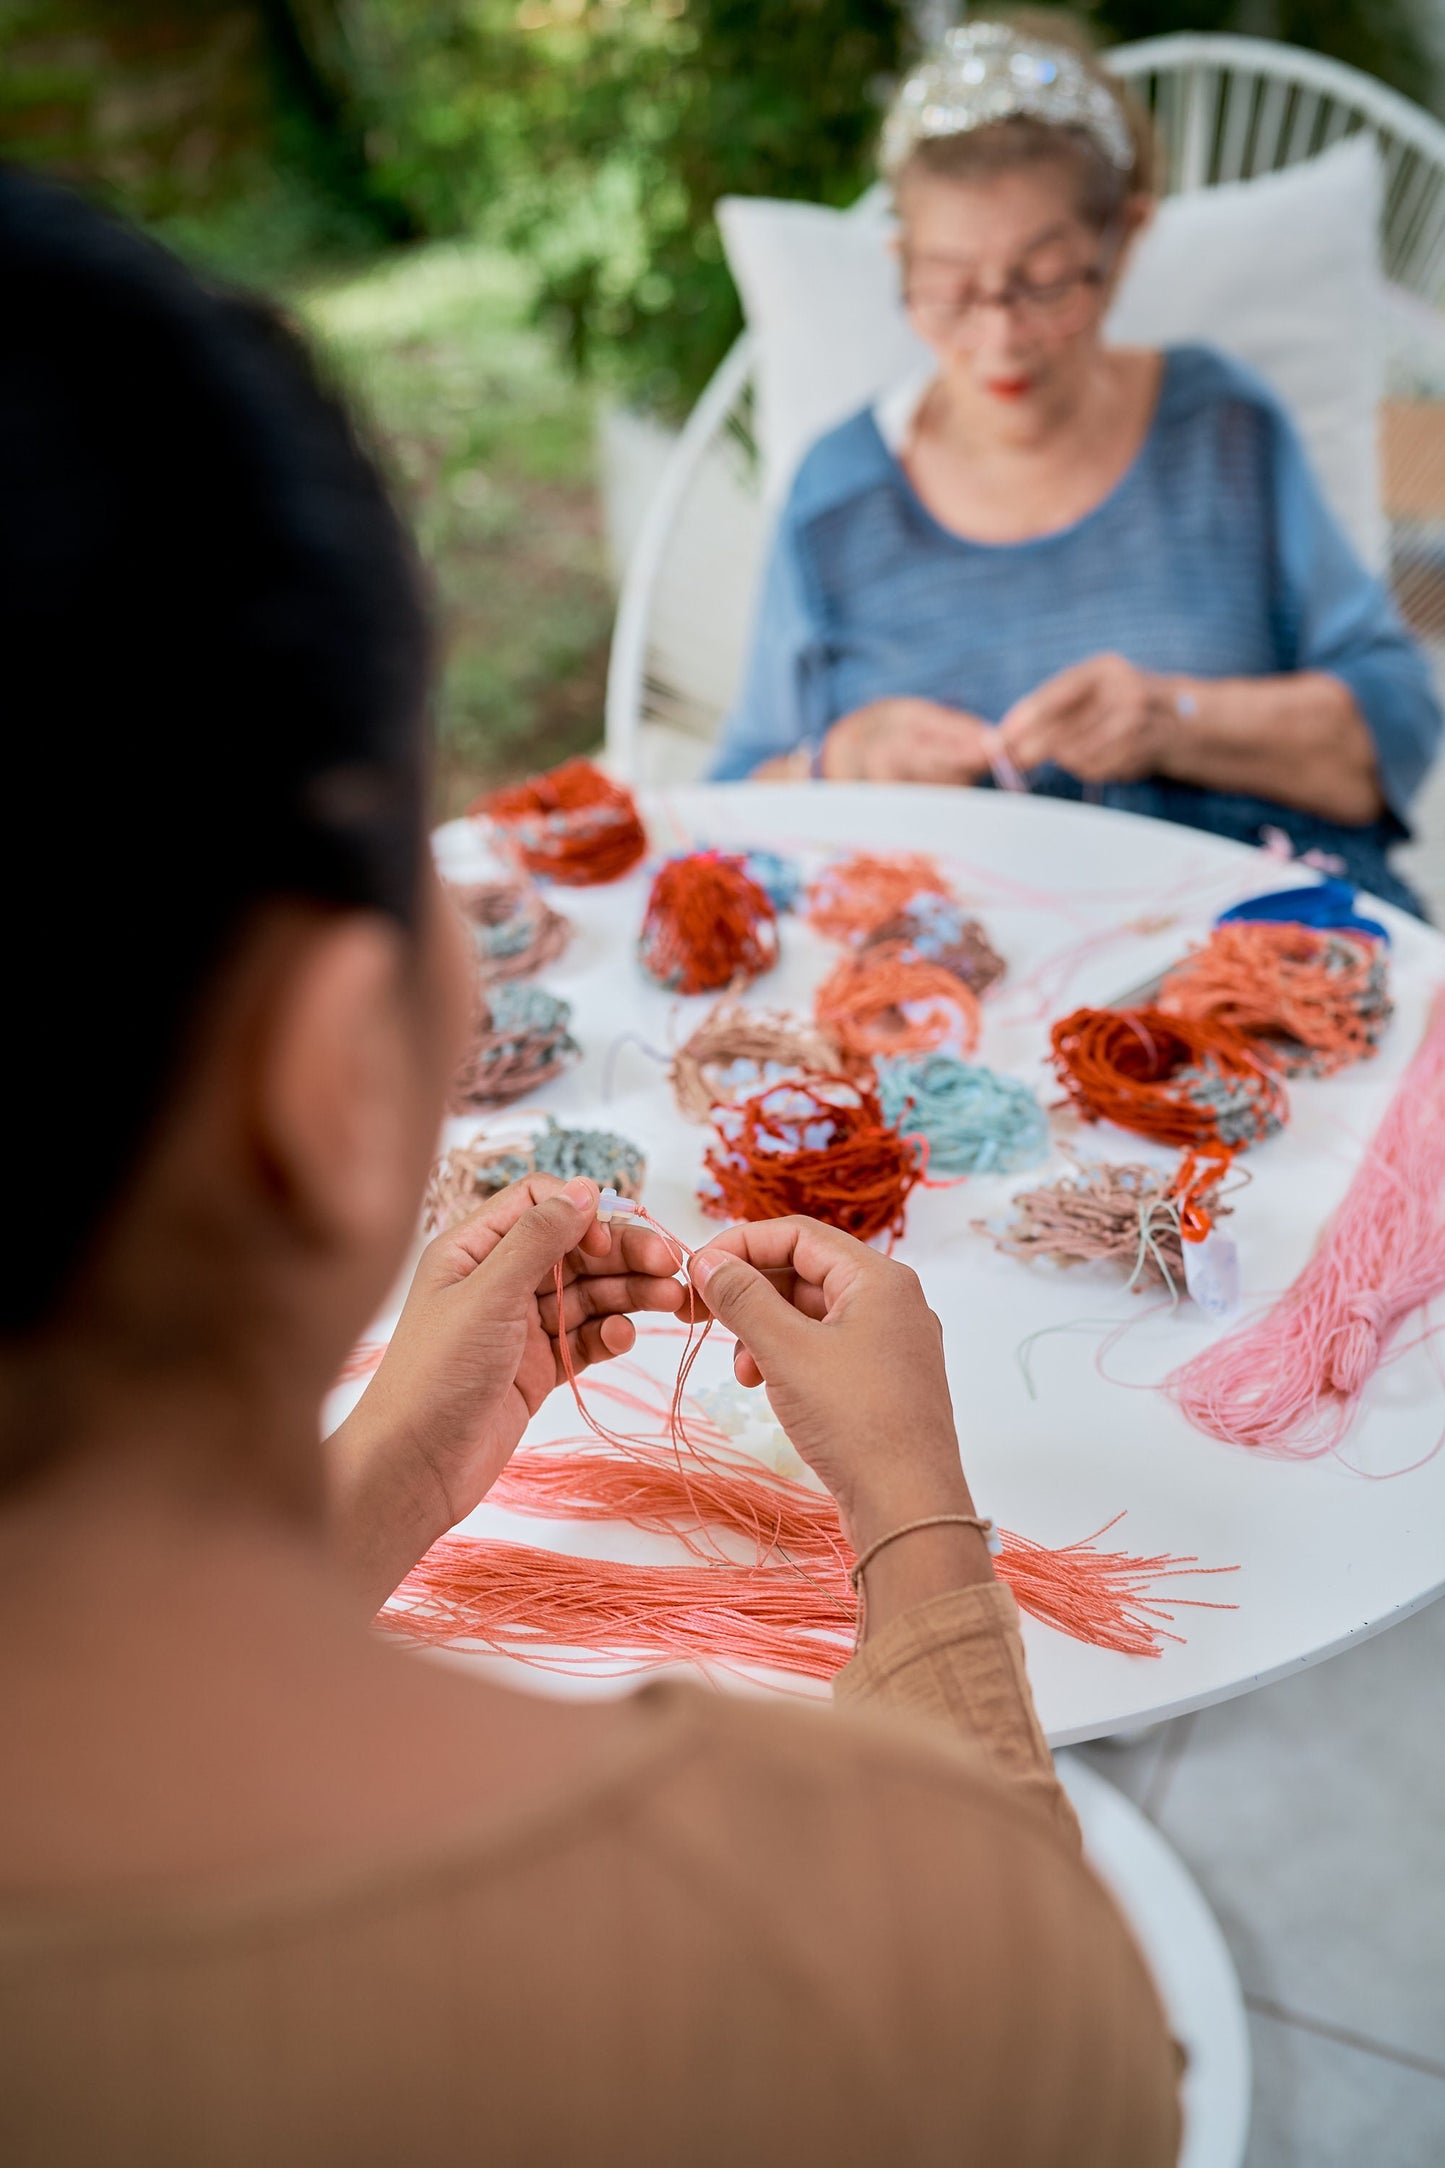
column 1196, row 151
column 1241, row 98
column 1269, row 135
column 1227, row 109
column 1300, row 142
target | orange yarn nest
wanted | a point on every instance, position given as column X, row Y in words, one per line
column 1179, row 1080
column 708, row 924
column 852, row 897
column 1311, row 1001
column 865, row 1002
column 819, row 1146
column 574, row 824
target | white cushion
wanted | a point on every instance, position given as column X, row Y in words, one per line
column 1282, row 272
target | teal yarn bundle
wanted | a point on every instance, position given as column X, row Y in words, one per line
column 973, row 1120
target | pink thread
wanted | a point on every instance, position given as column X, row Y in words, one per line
column 1290, row 1382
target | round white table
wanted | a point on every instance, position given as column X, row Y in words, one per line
column 1325, row 1555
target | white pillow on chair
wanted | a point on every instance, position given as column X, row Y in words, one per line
column 1282, row 272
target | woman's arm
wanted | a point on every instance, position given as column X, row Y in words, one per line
column 852, row 1360
column 778, row 711
column 474, row 1355
column 1300, row 739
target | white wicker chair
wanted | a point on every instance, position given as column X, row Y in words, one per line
column 1228, row 109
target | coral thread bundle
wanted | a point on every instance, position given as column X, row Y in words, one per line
column 574, row 824
column 1310, row 1002
column 521, row 1040
column 854, row 895
column 514, row 931
column 821, row 1147
column 1290, row 1383
column 884, row 1001
column 1173, row 1078
column 708, row 925
column 736, row 1050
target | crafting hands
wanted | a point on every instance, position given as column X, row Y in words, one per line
column 1102, row 721
column 475, row 1352
column 907, row 740
column 852, row 1360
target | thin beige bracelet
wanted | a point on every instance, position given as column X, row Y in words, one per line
column 860, row 1565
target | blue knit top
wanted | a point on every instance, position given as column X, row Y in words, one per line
column 1214, row 555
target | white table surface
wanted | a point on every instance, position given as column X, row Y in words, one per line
column 1326, row 1554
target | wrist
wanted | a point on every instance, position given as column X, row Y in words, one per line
column 1179, row 699
column 876, row 1512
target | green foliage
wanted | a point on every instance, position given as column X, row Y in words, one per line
column 490, row 448
column 597, row 139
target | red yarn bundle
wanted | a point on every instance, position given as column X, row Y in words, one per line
column 1180, row 1080
column 574, row 824
column 853, row 896
column 818, row 1146
column 708, row 924
column 888, row 1001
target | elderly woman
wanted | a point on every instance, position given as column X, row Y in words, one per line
column 1107, row 571
column 272, row 1890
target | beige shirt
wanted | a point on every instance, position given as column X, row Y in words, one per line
column 755, row 1934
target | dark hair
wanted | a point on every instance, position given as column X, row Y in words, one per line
column 215, row 655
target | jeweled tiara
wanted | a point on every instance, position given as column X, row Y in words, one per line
column 985, row 72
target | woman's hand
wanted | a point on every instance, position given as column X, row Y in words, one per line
column 907, row 740
column 1101, row 720
column 852, row 1360
column 474, row 1355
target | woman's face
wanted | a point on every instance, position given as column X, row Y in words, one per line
column 1005, row 283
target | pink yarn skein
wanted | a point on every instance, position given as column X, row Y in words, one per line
column 1290, row 1382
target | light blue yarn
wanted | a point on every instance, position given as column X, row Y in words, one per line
column 975, row 1121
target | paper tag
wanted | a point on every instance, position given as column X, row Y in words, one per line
column 1211, row 1273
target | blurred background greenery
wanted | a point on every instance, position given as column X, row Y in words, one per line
column 494, row 213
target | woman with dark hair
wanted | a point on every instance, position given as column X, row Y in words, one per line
column 1105, row 571
column 270, row 1889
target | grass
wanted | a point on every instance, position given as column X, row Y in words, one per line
column 490, row 445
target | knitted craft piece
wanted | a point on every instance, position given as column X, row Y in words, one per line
column 707, row 925
column 521, row 1041
column 735, row 1051
column 854, row 895
column 1177, row 1080
column 820, row 1147
column 514, row 931
column 1309, row 1001
column 1123, row 1215
column 573, row 825
column 973, row 1120
column 884, row 1001
column 936, row 930
column 467, row 1175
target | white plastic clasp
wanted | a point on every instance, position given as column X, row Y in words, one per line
column 610, row 1207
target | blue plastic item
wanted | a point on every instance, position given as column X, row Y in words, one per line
column 1329, row 906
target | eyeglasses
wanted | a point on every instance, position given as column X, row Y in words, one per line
column 1047, row 304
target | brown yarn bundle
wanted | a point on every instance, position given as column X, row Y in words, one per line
column 520, row 1041
column 514, row 930
column 767, row 1039
column 467, row 1175
column 943, row 937
column 1126, row 1214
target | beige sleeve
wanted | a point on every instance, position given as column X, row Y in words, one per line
column 958, row 1661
